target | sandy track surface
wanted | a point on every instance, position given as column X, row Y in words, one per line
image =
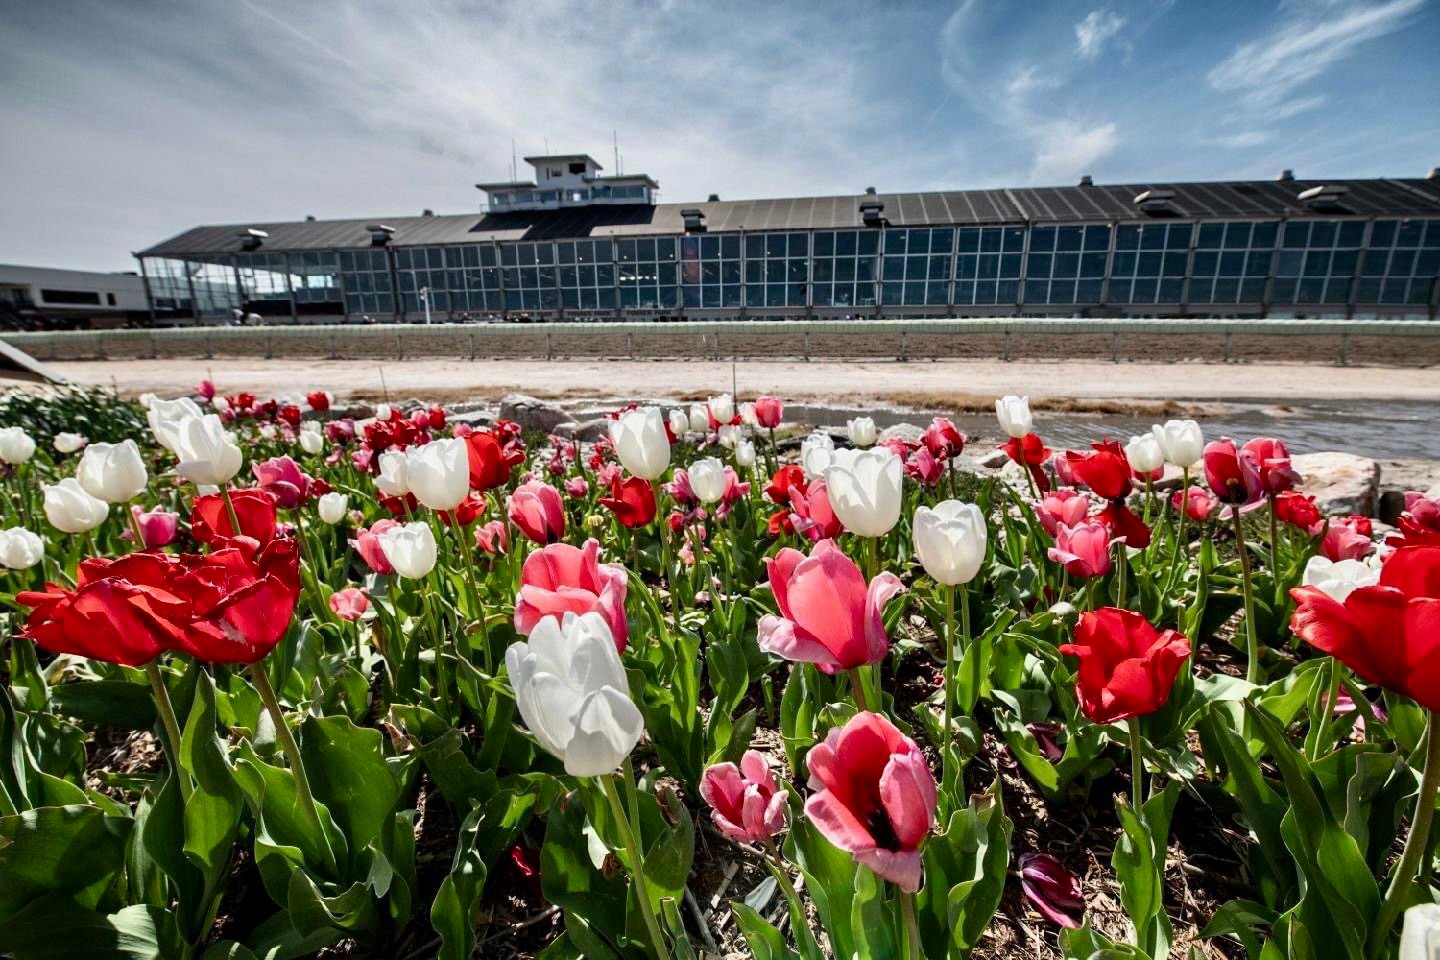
column 913, row 383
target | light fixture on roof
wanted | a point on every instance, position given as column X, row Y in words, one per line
column 694, row 220
column 872, row 213
column 1323, row 197
column 250, row 238
column 1286, row 175
column 380, row 233
column 1434, row 174
column 1086, row 181
column 1156, row 201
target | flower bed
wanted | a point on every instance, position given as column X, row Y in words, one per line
column 280, row 683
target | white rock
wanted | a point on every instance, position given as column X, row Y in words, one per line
column 1341, row 483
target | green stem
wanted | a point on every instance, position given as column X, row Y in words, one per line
column 637, row 862
column 786, row 884
column 1137, row 765
column 1252, row 641
column 912, row 927
column 857, row 687
column 1122, row 567
column 134, row 528
column 291, row 750
column 166, row 709
column 230, row 509
column 478, row 605
column 1327, row 707
column 947, row 686
column 1415, row 845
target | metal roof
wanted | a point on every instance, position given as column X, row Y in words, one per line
column 1220, row 200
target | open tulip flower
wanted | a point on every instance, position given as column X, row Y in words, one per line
column 864, row 487
column 538, row 511
column 745, row 802
column 561, row 579
column 1127, row 667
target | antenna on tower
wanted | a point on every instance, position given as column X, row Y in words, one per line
column 514, row 162
column 615, row 140
column 547, row 146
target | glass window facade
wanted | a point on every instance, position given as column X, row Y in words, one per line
column 710, row 270
column 1066, row 264
column 988, row 261
column 1232, row 262
column 169, row 284
column 315, row 279
column 1401, row 263
column 843, row 263
column 1150, row 261
column 1316, row 261
column 777, row 271
column 646, row 272
column 365, row 274
column 916, row 267
column 529, row 276
column 587, row 274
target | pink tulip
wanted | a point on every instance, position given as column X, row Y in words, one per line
column 1343, row 542
column 158, row 526
column 1084, row 549
column 493, row 537
column 828, row 616
column 811, row 514
column 924, row 468
column 873, row 796
column 746, row 803
column 284, row 480
column 577, row 487
column 1052, row 889
column 536, row 508
column 350, row 603
column 1062, row 508
column 205, row 389
column 562, row 578
column 768, row 411
column 367, row 544
column 1198, row 503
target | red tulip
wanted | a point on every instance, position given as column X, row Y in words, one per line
column 1104, row 469
column 1299, row 511
column 290, row 414
column 350, row 603
column 493, row 537
column 942, row 439
column 746, row 804
column 1062, row 508
column 789, row 476
column 1052, row 889
column 1125, row 525
column 435, row 417
column 367, row 544
column 1031, row 453
column 536, row 508
column 1083, row 549
column 466, row 511
column 243, row 604
column 631, row 500
column 1198, row 504
column 562, row 578
column 282, row 478
column 158, row 527
column 205, row 389
column 1388, row 634
column 255, row 509
column 1127, row 667
column 1420, row 523
column 1272, row 464
column 490, row 461
column 318, row 400
column 828, row 616
column 1233, row 478
column 768, row 412
column 873, row 797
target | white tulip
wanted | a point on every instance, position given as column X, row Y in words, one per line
column 1145, row 453
column 707, row 479
column 20, row 549
column 641, row 443
column 1182, row 441
column 69, row 442
column 572, row 693
column 748, row 415
column 699, row 418
column 332, row 507
column 864, row 489
column 165, row 416
column 679, row 422
column 207, row 453
column 268, row 431
column 862, row 431
column 729, row 436
column 1014, row 415
column 722, row 408
column 816, row 452
column 16, row 446
column 114, row 472
column 312, row 441
column 410, row 548
column 382, row 411
column 745, row 454
column 1340, row 578
column 950, row 541
column 145, row 399
column 71, row 510
column 439, row 473
column 391, row 478
column 220, row 404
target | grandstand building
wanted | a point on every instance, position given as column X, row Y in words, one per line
column 573, row 244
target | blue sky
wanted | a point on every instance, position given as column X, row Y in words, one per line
column 128, row 122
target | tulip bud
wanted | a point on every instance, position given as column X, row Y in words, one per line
column 816, row 452
column 220, row 404
column 1181, row 440
column 571, row 690
column 865, row 490
column 69, row 442
column 158, row 527
column 16, row 446
column 729, row 436
column 164, row 417
column 745, row 454
column 1145, row 453
column 707, row 479
column 1014, row 415
column 382, row 411
column 391, row 478
column 113, row 472
column 410, row 548
column 748, row 416
column 332, row 507
column 20, row 549
column 699, row 418
column 862, row 431
column 312, row 441
column 207, row 454
column 641, row 443
column 769, row 411
column 679, row 422
column 71, row 510
column 950, row 541
column 438, row 473
column 722, row 408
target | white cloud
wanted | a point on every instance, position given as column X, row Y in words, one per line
column 1243, row 139
column 1066, row 150
column 1098, row 27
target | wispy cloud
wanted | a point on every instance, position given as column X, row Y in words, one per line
column 1070, row 149
column 1098, row 27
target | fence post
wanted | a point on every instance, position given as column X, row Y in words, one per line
column 399, row 347
column 1115, row 347
column 1228, row 337
column 904, row 347
column 154, row 348
column 717, row 347
column 1005, row 352
column 472, row 345
column 549, row 352
column 333, row 354
column 807, row 346
column 630, row 344
column 1345, row 349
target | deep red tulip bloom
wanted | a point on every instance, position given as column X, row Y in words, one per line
column 828, row 616
column 1298, row 510
column 1198, row 504
column 538, row 511
column 1272, row 464
column 1104, row 469
column 1419, row 524
column 1031, row 453
column 255, row 509
column 367, row 544
column 746, row 804
column 243, row 605
column 873, row 796
column 466, row 511
column 1389, row 634
column 942, row 439
column 789, row 476
column 490, row 461
column 1125, row 525
column 318, row 400
column 561, row 579
column 769, row 411
column 1052, row 889
column 1062, row 508
column 349, row 604
column 1127, row 667
column 1233, row 479
column 435, row 416
column 1084, row 549
column 632, row 500
column 282, row 478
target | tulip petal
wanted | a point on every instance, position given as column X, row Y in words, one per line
column 605, row 729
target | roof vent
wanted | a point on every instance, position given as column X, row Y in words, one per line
column 1323, row 197
column 1156, row 201
column 380, row 233
column 872, row 212
column 1434, row 174
column 869, row 191
column 715, row 197
column 309, row 218
column 250, row 238
column 427, row 212
column 1085, row 181
column 694, row 220
column 1286, row 175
